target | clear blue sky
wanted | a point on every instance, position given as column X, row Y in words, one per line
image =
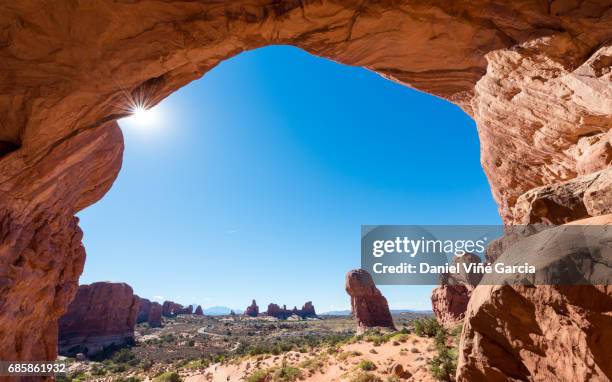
column 254, row 181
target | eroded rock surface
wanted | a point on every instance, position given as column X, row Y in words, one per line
column 368, row 305
column 199, row 311
column 541, row 332
column 102, row 314
column 560, row 203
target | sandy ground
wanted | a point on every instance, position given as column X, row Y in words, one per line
column 412, row 355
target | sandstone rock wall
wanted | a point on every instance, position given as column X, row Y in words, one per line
column 102, row 314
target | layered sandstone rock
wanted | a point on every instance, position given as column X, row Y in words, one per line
column 102, row 314
column 199, row 311
column 252, row 310
column 534, row 75
column 540, row 331
column 155, row 315
column 368, row 305
column 560, row 203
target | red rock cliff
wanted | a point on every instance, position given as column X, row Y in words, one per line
column 101, row 314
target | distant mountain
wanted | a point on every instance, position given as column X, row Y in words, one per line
column 393, row 311
column 336, row 313
column 220, row 311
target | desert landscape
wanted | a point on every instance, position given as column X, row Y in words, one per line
column 535, row 76
column 256, row 347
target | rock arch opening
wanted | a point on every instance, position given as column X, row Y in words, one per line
column 533, row 75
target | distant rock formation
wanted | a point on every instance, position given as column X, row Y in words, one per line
column 101, row 314
column 144, row 307
column 450, row 299
column 368, row 305
column 307, row 311
column 171, row 309
column 252, row 310
column 199, row 311
column 186, row 310
column 155, row 315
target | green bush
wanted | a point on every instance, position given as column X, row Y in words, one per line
column 258, row 376
column 427, row 327
column 444, row 364
column 367, row 365
column 168, row 377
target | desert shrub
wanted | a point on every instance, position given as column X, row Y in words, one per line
column 401, row 337
column 314, row 364
column 124, row 356
column 393, row 378
column 405, row 330
column 168, row 376
column 345, row 354
column 415, row 350
column 366, row 377
column 286, row 373
column 97, row 370
column 128, row 379
column 258, row 376
column 426, row 327
column 373, row 351
column 198, row 364
column 444, row 364
column 367, row 365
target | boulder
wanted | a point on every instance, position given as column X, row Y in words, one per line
column 536, row 330
column 102, row 314
column 368, row 305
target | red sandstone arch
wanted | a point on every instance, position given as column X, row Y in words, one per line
column 534, row 75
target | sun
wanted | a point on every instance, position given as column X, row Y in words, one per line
column 143, row 117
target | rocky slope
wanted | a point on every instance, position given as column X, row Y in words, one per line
column 102, row 314
column 368, row 305
column 534, row 75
